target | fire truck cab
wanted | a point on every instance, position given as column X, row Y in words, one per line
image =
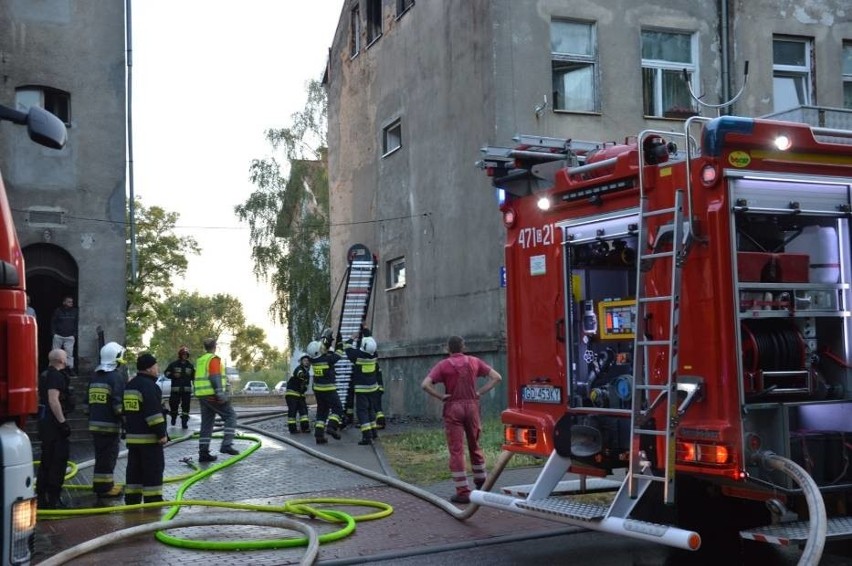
column 679, row 312
column 18, row 361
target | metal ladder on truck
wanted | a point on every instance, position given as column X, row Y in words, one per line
column 360, row 277
column 665, row 394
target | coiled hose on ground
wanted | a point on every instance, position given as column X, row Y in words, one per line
column 816, row 506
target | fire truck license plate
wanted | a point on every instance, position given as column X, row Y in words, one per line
column 541, row 394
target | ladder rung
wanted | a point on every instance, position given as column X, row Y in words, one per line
column 649, row 431
column 653, row 342
column 657, row 299
column 648, row 477
column 658, row 212
column 657, row 255
column 644, row 387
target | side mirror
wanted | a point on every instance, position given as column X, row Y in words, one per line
column 46, row 129
column 43, row 127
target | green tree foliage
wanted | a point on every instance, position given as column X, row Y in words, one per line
column 161, row 257
column 250, row 351
column 288, row 218
column 188, row 318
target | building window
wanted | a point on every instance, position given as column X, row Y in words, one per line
column 355, row 31
column 791, row 73
column 55, row 101
column 665, row 55
column 402, row 6
column 391, row 138
column 847, row 75
column 573, row 54
column 374, row 20
column 396, row 273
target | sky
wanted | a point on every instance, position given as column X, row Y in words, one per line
column 209, row 77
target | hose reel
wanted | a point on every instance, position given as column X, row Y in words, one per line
column 774, row 359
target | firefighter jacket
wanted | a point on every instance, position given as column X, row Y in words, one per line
column 143, row 414
column 297, row 385
column 364, row 370
column 106, row 396
column 182, row 374
column 210, row 378
column 323, row 367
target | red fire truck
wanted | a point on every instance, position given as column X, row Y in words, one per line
column 679, row 312
column 18, row 361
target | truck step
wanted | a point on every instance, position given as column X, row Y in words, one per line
column 566, row 508
column 567, row 487
column 786, row 534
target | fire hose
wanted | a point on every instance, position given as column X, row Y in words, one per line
column 816, row 506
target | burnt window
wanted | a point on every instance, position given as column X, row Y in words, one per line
column 374, row 20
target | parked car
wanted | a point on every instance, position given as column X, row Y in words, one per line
column 165, row 385
column 256, row 387
column 280, row 387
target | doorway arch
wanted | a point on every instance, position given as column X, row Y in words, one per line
column 52, row 273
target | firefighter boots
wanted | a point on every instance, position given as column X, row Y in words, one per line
column 184, row 423
column 374, row 433
column 292, row 428
column 333, row 432
column 306, row 426
column 206, row 456
column 366, row 438
column 174, row 418
column 380, row 421
column 229, row 450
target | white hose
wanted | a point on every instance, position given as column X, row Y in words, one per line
column 816, row 506
column 205, row 521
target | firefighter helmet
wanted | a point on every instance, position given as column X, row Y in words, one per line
column 368, row 345
column 183, row 350
column 314, row 349
column 112, row 356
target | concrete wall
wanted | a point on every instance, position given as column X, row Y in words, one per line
column 460, row 74
column 78, row 47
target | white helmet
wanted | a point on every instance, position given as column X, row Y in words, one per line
column 112, row 355
column 368, row 345
column 314, row 349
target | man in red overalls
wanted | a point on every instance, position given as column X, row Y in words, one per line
column 458, row 373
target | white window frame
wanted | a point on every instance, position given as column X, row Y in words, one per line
column 396, row 273
column 847, row 74
column 354, row 32
column 659, row 67
column 392, row 137
column 800, row 75
column 402, row 6
column 580, row 61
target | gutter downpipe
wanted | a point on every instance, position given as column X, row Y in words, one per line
column 132, row 208
column 726, row 72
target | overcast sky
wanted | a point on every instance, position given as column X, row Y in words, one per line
column 208, row 78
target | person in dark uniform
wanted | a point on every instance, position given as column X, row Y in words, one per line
column 106, row 397
column 146, row 434
column 364, row 368
column 53, row 430
column 297, row 406
column 325, row 389
column 182, row 373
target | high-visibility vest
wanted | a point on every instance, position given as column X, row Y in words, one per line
column 203, row 387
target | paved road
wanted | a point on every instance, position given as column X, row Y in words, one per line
column 416, row 533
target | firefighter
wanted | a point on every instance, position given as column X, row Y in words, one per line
column 106, row 393
column 53, row 430
column 458, row 373
column 297, row 406
column 364, row 382
column 146, row 434
column 182, row 373
column 211, row 389
column 325, row 390
column 377, row 399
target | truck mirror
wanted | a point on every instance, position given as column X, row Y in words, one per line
column 46, row 129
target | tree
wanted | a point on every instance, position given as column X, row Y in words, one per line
column 288, row 218
column 161, row 257
column 189, row 318
column 250, row 351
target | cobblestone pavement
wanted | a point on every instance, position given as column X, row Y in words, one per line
column 271, row 475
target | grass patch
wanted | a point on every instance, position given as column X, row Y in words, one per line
column 420, row 456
